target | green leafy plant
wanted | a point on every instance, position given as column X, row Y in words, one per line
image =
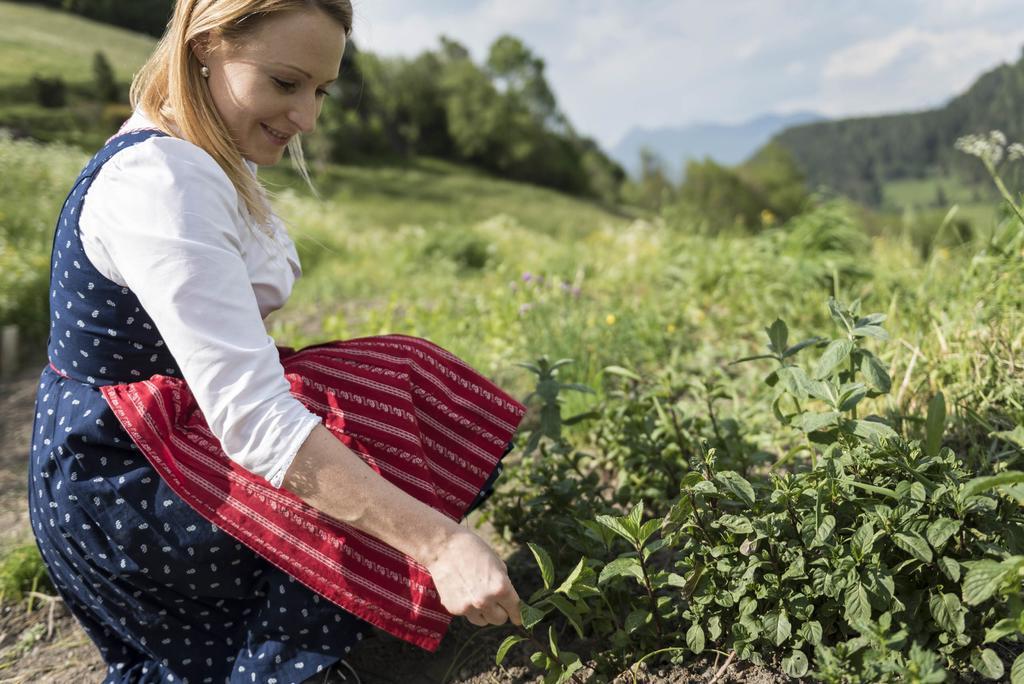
column 860, row 563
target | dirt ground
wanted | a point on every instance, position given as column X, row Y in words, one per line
column 46, row 644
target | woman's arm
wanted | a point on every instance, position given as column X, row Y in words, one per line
column 470, row 578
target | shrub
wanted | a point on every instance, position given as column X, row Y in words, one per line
column 859, row 568
column 103, row 78
column 49, row 92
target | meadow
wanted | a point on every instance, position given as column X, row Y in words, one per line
column 796, row 447
column 652, row 319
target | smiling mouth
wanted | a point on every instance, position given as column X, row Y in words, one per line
column 276, row 135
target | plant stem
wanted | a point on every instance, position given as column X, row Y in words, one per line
column 725, row 666
column 1003, row 191
column 650, row 592
column 543, row 649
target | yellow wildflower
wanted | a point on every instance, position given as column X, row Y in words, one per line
column 610, row 319
column 671, row 328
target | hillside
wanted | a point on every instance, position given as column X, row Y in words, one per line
column 858, row 157
column 47, row 42
column 726, row 144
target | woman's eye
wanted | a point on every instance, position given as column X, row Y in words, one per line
column 322, row 93
column 284, row 85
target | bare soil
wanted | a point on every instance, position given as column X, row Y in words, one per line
column 45, row 644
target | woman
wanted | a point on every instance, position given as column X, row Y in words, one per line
column 195, row 491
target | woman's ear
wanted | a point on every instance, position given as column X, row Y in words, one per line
column 200, row 46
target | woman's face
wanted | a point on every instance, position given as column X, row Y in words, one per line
column 271, row 86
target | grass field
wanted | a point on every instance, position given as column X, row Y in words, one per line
column 654, row 315
column 37, row 40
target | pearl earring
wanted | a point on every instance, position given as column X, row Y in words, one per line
column 205, row 71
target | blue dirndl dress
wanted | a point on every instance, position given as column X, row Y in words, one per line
column 165, row 595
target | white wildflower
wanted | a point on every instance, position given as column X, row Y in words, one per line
column 1015, row 151
column 991, row 148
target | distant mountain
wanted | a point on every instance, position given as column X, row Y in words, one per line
column 726, row 144
column 857, row 156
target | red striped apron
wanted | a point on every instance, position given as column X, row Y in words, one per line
column 416, row 414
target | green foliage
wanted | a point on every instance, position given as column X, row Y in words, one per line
column 721, row 196
column 30, row 199
column 22, row 571
column 862, row 567
column 857, row 156
column 49, row 92
column 103, row 74
column 43, row 40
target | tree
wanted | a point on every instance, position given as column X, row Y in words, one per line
column 519, row 74
column 103, row 77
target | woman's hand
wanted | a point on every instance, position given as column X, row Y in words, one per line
column 472, row 580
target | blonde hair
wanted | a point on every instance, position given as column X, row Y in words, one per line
column 170, row 90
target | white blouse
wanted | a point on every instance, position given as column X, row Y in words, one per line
column 162, row 219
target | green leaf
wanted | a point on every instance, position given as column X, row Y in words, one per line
column 935, row 425
column 812, row 422
column 565, row 586
column 736, row 523
column 914, row 544
column 737, row 485
column 617, row 526
column 812, row 632
column 648, row 529
column 1017, row 670
column 547, row 569
column 950, row 568
column 802, row 345
column 531, row 615
column 988, row 664
column 1001, row 630
column 947, row 611
column 695, row 638
column 1014, row 436
column 795, row 664
column 863, row 540
column 507, row 644
column 824, row 530
column 982, row 581
column 838, row 352
column 566, row 608
column 940, row 530
column 873, row 430
column 636, row 619
column 572, row 663
column 778, row 334
column 875, row 331
column 858, row 608
column 777, row 627
column 838, row 315
column 875, row 373
column 621, row 372
column 851, row 396
column 633, row 519
column 628, row 567
column 983, row 484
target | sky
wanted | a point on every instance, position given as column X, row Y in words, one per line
column 615, row 65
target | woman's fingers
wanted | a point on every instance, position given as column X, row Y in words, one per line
column 476, row 617
column 508, row 600
column 495, row 614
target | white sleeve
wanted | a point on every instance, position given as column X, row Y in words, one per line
column 163, row 217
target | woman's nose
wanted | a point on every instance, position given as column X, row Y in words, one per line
column 304, row 114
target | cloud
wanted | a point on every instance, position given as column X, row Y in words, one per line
column 615, row 65
column 939, row 49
